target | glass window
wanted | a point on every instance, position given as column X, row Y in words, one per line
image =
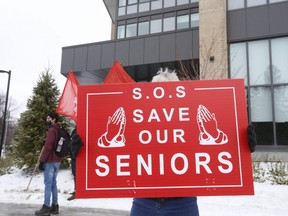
column 169, row 3
column 121, row 32
column 143, row 28
column 156, row 4
column 232, row 4
column 193, row 1
column 122, row 3
column 281, row 103
column 259, row 66
column 141, row 1
column 156, row 26
column 132, row 9
column 144, row 7
column 238, row 61
column 194, row 20
column 274, row 1
column 279, row 52
column 251, row 3
column 131, row 30
column 261, row 104
column 169, row 24
column 121, row 11
column 183, row 22
column 132, row 2
column 181, row 2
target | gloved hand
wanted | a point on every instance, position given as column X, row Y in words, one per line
column 41, row 166
column 252, row 138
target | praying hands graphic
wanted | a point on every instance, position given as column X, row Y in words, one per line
column 114, row 135
column 209, row 132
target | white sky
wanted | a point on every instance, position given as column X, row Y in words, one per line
column 32, row 34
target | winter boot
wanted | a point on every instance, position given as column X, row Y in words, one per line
column 44, row 211
column 54, row 209
column 72, row 197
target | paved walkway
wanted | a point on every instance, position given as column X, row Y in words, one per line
column 7, row 209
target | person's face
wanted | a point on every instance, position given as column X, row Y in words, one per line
column 49, row 121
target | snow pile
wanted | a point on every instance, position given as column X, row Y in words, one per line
column 268, row 199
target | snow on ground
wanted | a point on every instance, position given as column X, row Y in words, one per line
column 268, row 200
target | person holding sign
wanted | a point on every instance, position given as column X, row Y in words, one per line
column 210, row 134
column 75, row 145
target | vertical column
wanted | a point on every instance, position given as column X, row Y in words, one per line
column 213, row 39
column 113, row 31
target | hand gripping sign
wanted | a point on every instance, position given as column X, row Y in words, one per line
column 163, row 139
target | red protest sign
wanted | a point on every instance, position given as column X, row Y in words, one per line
column 163, row 139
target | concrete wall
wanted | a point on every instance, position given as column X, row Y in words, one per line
column 213, row 39
column 258, row 22
column 150, row 49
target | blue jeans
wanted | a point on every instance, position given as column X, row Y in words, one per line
column 50, row 182
column 186, row 206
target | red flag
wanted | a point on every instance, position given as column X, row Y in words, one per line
column 68, row 102
column 118, row 75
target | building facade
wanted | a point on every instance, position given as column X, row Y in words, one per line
column 201, row 39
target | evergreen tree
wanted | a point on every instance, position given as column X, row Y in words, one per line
column 30, row 133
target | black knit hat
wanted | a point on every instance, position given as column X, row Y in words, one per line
column 53, row 115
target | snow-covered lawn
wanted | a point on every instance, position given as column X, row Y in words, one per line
column 269, row 200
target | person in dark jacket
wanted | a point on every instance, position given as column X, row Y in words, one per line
column 75, row 145
column 49, row 164
column 186, row 206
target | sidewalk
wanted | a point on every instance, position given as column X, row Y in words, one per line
column 11, row 209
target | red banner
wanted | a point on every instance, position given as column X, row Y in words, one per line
column 117, row 75
column 68, row 102
column 165, row 139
